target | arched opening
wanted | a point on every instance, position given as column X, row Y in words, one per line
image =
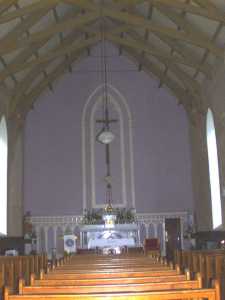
column 3, row 176
column 213, row 170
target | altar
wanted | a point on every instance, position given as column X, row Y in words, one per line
column 102, row 236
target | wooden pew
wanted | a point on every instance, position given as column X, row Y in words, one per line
column 209, row 293
column 210, row 263
column 14, row 267
column 107, row 288
column 110, row 274
column 97, row 281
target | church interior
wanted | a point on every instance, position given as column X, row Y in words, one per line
column 112, row 135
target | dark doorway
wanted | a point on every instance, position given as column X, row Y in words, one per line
column 173, row 236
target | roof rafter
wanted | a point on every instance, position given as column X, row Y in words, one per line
column 204, row 11
column 56, row 73
column 187, row 80
column 4, row 6
column 52, row 54
column 26, row 54
column 177, row 90
column 148, row 48
column 27, row 10
column 138, row 20
column 78, row 22
column 59, row 51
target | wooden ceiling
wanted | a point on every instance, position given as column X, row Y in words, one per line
column 178, row 41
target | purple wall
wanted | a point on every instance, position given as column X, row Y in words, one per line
column 162, row 165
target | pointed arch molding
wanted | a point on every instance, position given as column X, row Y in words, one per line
column 126, row 148
column 3, row 174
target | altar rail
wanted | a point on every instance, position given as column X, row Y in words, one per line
column 49, row 230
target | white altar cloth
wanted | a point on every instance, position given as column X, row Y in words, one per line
column 110, row 243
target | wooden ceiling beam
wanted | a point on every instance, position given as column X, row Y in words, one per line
column 186, row 53
column 137, row 20
column 170, row 32
column 207, row 4
column 26, row 54
column 150, row 49
column 78, row 22
column 179, row 73
column 57, row 20
column 25, row 25
column 204, row 11
column 5, row 5
column 62, row 68
column 64, row 49
column 181, row 22
column 51, row 55
column 192, row 9
column 36, row 71
column 27, row 10
column 179, row 92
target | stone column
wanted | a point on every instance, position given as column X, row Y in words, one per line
column 147, row 230
column 55, row 239
column 163, row 239
column 37, row 231
column 81, row 239
column 46, row 239
column 182, row 232
column 155, row 229
column 15, row 177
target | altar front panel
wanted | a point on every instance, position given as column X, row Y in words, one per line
column 100, row 236
column 110, row 243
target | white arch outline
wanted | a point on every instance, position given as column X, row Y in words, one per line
column 122, row 152
column 213, row 167
column 130, row 137
column 4, row 132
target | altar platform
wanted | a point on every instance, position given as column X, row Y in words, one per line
column 101, row 236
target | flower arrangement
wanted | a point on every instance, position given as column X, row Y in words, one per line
column 95, row 216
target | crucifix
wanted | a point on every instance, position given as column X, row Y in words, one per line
column 106, row 121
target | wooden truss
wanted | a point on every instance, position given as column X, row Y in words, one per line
column 160, row 36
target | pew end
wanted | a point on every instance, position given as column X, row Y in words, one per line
column 177, row 267
column 32, row 278
column 199, row 278
column 5, row 293
column 216, row 286
column 188, row 274
column 21, row 285
column 41, row 274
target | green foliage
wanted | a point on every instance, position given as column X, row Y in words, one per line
column 123, row 216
